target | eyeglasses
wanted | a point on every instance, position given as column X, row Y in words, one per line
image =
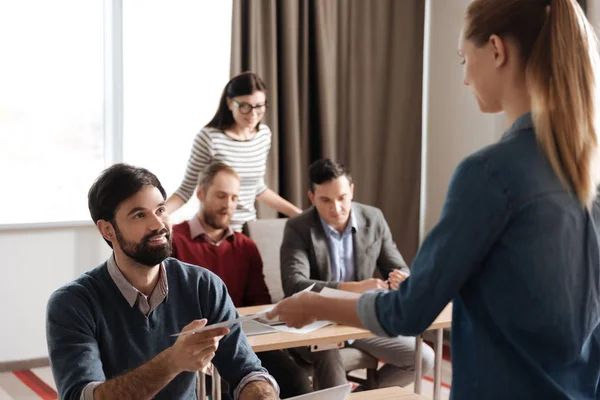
column 246, row 108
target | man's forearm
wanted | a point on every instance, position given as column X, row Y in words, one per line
column 350, row 287
column 143, row 382
column 259, row 390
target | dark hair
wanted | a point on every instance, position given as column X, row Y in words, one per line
column 325, row 170
column 211, row 170
column 559, row 51
column 115, row 185
column 241, row 85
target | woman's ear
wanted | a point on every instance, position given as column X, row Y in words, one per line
column 499, row 50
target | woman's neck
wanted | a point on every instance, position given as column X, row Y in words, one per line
column 242, row 133
column 517, row 102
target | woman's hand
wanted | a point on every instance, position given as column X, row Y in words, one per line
column 296, row 311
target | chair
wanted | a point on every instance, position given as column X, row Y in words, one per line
column 268, row 235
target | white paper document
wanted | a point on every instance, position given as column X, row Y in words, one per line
column 262, row 314
column 219, row 325
column 307, row 329
column 338, row 294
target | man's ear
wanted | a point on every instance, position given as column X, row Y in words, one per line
column 311, row 197
column 106, row 230
column 352, row 191
column 200, row 194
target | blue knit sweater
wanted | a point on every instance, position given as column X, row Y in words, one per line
column 94, row 335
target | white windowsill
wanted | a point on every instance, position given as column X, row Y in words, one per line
column 45, row 225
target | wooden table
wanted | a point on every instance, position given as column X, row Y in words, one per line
column 386, row 394
column 287, row 340
column 340, row 333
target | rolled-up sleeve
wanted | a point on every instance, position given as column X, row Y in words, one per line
column 366, row 308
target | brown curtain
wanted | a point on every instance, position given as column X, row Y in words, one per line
column 345, row 82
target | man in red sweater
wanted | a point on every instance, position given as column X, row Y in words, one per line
column 207, row 240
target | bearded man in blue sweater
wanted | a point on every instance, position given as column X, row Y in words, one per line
column 109, row 331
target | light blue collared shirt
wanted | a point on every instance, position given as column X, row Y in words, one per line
column 341, row 250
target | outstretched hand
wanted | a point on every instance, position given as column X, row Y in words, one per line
column 296, row 311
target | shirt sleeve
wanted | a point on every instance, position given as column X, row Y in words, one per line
column 234, row 358
column 253, row 377
column 475, row 212
column 72, row 346
column 200, row 157
column 261, row 185
column 88, row 391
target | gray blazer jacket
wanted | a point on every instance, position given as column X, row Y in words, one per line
column 304, row 251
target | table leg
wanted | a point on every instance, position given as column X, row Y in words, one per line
column 201, row 385
column 437, row 371
column 216, row 384
column 418, row 364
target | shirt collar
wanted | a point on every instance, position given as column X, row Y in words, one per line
column 128, row 290
column 197, row 229
column 351, row 227
column 525, row 121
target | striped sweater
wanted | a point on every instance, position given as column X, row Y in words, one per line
column 248, row 158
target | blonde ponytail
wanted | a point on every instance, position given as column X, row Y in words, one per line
column 561, row 78
column 560, row 50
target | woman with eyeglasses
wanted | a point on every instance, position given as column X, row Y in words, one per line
column 236, row 137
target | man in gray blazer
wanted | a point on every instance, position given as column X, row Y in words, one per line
column 342, row 244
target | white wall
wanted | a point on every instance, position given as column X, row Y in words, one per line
column 594, row 13
column 453, row 126
column 35, row 263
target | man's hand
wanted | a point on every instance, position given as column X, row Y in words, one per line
column 396, row 277
column 259, row 390
column 363, row 286
column 194, row 352
column 295, row 311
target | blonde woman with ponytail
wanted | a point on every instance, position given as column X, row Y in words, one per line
column 517, row 243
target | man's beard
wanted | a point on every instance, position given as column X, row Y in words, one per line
column 142, row 252
column 210, row 219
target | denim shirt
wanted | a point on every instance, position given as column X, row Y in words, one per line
column 341, row 250
column 519, row 256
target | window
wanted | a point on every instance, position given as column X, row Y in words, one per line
column 51, row 108
column 175, row 62
column 174, row 72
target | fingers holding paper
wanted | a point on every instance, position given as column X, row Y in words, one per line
column 295, row 311
column 193, row 352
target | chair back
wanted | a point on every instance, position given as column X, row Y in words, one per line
column 268, row 235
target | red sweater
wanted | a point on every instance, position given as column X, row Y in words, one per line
column 236, row 261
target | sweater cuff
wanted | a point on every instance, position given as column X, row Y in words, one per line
column 252, row 377
column 366, row 308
